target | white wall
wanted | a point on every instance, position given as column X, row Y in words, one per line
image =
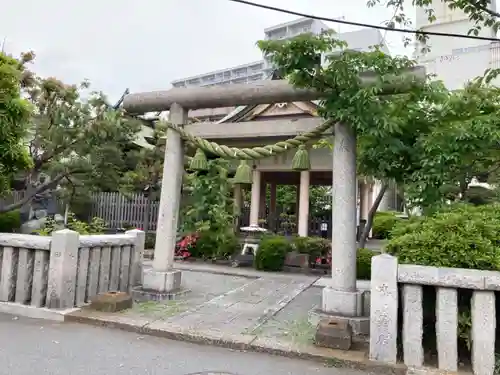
column 455, row 60
column 461, row 65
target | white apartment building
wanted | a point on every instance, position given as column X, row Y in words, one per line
column 455, row 60
column 254, row 71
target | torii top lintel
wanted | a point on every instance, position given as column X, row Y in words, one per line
column 259, row 92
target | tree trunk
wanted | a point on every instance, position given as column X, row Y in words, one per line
column 371, row 215
column 464, row 185
column 32, row 192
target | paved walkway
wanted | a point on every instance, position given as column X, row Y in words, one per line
column 243, row 309
column 238, row 308
column 234, row 304
column 237, row 301
column 32, row 346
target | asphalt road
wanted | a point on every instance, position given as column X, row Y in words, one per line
column 39, row 347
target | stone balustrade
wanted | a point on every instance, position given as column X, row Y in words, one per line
column 66, row 269
column 390, row 279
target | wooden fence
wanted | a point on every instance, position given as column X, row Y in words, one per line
column 118, row 210
column 14, row 197
column 114, row 208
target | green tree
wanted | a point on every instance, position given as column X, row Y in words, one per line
column 387, row 126
column 147, row 172
column 15, row 113
column 462, row 145
column 208, row 203
column 208, row 210
column 449, row 140
column 73, row 140
column 286, row 197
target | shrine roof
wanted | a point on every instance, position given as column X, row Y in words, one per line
column 251, row 112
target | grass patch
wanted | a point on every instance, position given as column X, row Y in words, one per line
column 298, row 331
column 159, row 309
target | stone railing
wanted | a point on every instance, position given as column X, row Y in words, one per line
column 389, row 279
column 66, row 270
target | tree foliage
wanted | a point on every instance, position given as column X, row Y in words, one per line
column 75, row 140
column 386, row 126
column 428, row 139
column 461, row 146
column 14, row 116
column 207, row 210
column 286, row 199
column 146, row 170
column 208, row 203
column 147, row 163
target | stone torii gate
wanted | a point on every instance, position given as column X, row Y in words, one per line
column 340, row 297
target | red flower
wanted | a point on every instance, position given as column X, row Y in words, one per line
column 184, row 245
column 324, row 260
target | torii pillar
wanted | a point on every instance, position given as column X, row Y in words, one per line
column 340, row 295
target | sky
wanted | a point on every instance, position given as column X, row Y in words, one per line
column 119, row 44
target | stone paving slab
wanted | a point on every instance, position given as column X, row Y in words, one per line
column 230, row 304
column 242, row 309
column 203, row 287
column 291, row 324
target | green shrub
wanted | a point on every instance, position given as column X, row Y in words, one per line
column 314, row 246
column 383, row 223
column 364, row 264
column 460, row 236
column 214, row 245
column 96, row 226
column 204, row 246
column 229, row 245
column 457, row 236
column 150, row 241
column 272, row 252
column 10, row 221
column 409, row 225
column 127, row 226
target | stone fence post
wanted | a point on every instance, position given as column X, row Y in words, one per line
column 384, row 308
column 137, row 257
column 63, row 265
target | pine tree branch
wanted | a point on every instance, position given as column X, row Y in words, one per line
column 40, row 189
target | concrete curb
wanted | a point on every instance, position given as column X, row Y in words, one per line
column 330, row 357
column 33, row 312
column 433, row 371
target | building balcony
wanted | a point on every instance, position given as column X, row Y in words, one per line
column 495, row 56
